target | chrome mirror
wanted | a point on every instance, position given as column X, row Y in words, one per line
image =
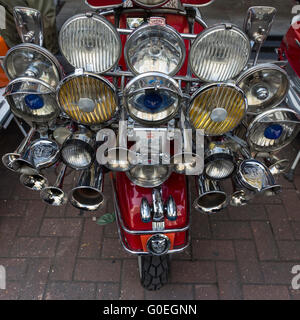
column 258, row 24
column 29, row 25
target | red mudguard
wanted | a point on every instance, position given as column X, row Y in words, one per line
column 290, row 47
column 128, row 197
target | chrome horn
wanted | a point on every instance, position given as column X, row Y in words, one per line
column 211, row 199
column 240, row 196
column 34, row 181
column 16, row 161
column 88, row 194
column 55, row 195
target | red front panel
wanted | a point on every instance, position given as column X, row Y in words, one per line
column 130, row 196
column 291, row 47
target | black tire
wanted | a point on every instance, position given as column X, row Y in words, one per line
column 154, row 271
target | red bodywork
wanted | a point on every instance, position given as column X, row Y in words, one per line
column 128, row 196
column 290, row 47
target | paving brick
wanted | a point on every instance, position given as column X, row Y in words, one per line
column 108, row 291
column 249, row 212
column 296, row 229
column 33, row 285
column 113, row 249
column 58, row 212
column 33, row 247
column 8, row 182
column 279, row 222
column 213, row 250
column 193, row 272
column 111, row 231
column 12, row 291
column 277, row 272
column 206, row 292
column 264, row 240
column 291, row 202
column 131, row 288
column 229, row 281
column 21, row 192
column 231, row 230
column 91, row 240
column 183, row 255
column 33, row 218
column 289, row 250
column 200, row 228
column 219, row 216
column 171, row 292
column 70, row 227
column 8, row 230
column 70, row 291
column 259, row 292
column 97, row 270
column 15, row 268
column 249, row 267
column 64, row 263
column 13, row 208
column 295, row 294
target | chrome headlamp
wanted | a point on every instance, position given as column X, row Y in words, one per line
column 78, row 151
column 32, row 100
column 30, row 60
column 219, row 162
column 219, row 53
column 150, row 3
column 87, row 98
column 217, row 108
column 155, row 48
column 265, row 85
column 149, row 176
column 273, row 129
column 90, row 42
column 152, row 97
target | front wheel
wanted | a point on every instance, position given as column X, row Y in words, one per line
column 154, row 271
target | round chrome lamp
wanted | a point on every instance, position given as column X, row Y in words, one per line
column 219, row 53
column 152, row 98
column 217, row 108
column 149, row 176
column 32, row 100
column 265, row 85
column 273, row 129
column 155, row 48
column 77, row 151
column 87, row 98
column 219, row 162
column 30, row 60
column 90, row 42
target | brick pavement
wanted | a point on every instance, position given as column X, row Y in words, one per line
column 55, row 253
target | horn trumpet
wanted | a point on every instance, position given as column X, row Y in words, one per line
column 16, row 161
column 88, row 194
column 211, row 199
column 55, row 195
